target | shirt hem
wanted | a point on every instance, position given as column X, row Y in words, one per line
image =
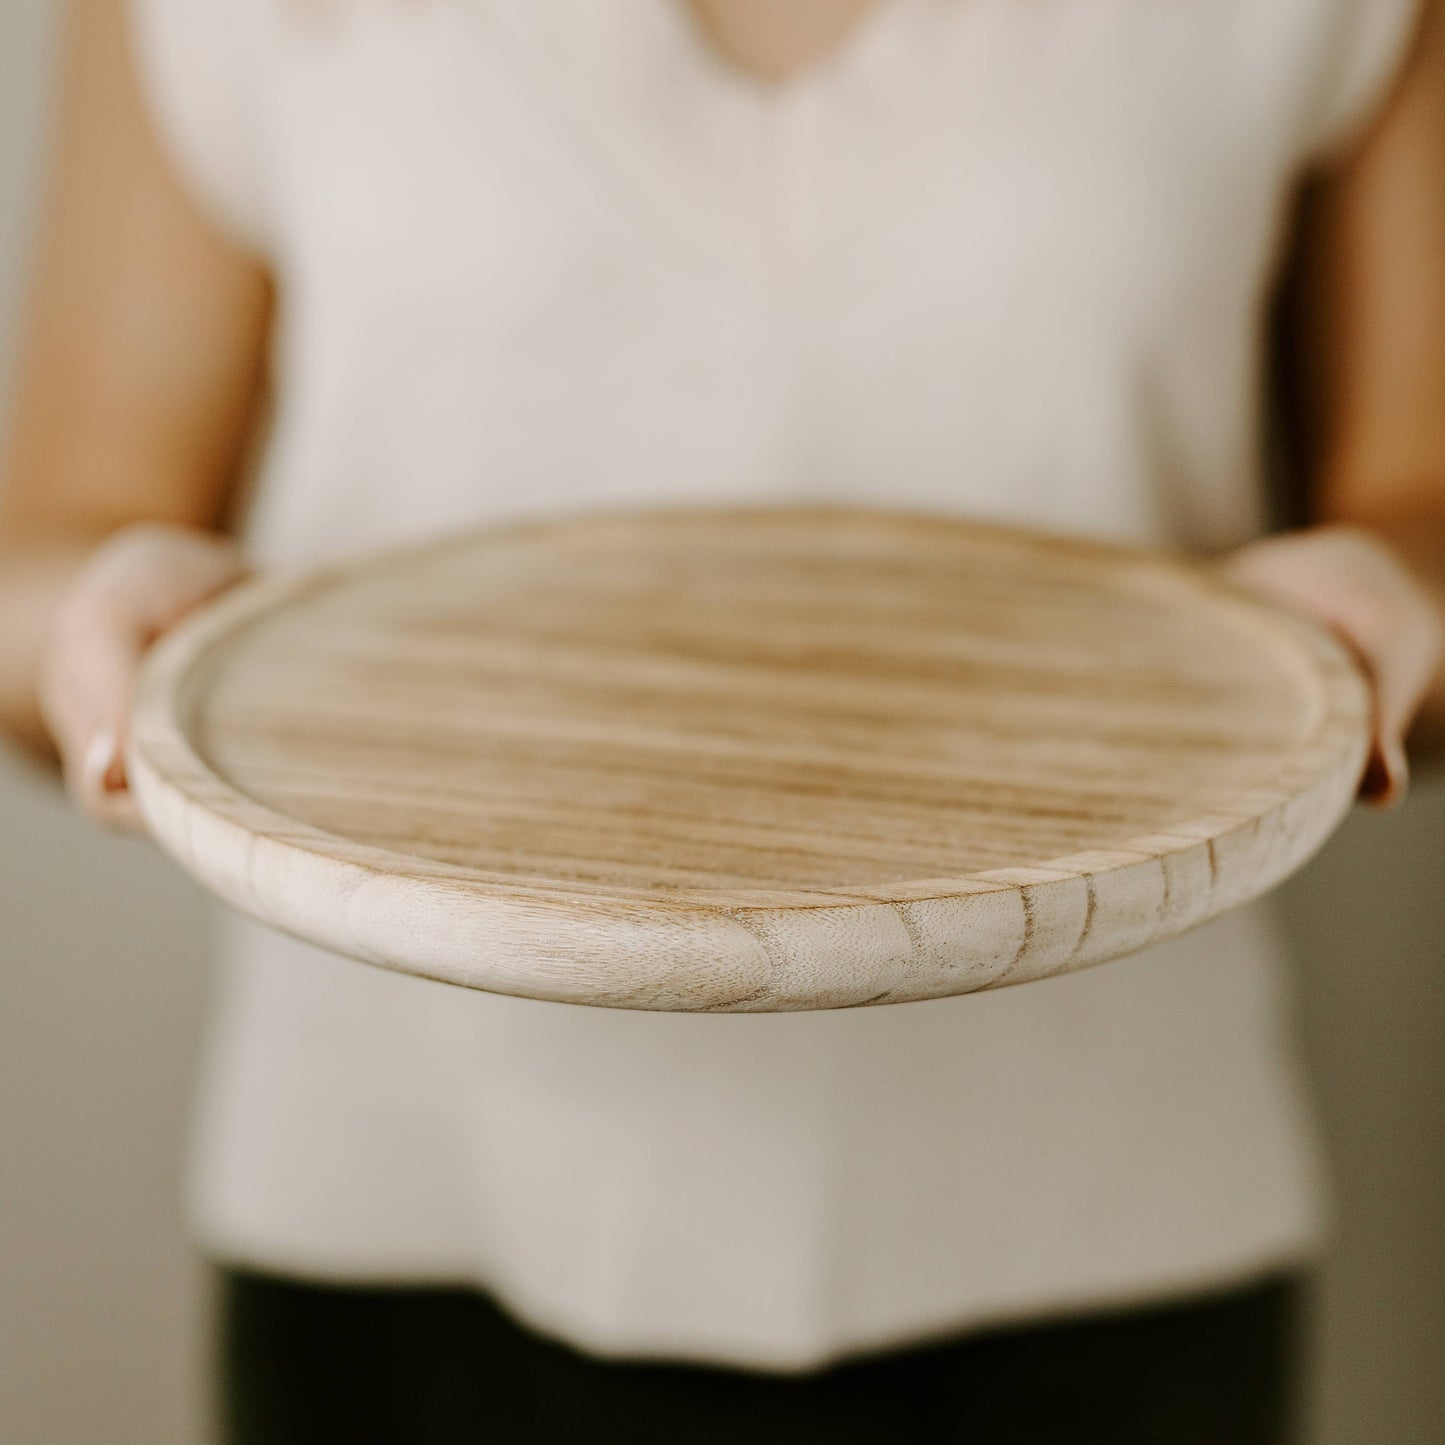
column 676, row 1346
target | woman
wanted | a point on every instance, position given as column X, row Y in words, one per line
column 510, row 256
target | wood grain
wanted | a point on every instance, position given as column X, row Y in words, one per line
column 745, row 760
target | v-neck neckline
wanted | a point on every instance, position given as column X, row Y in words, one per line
column 854, row 50
column 641, row 97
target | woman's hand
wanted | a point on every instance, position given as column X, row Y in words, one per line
column 1355, row 584
column 136, row 585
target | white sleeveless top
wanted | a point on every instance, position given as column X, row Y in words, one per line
column 994, row 257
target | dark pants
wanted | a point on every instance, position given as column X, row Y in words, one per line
column 347, row 1366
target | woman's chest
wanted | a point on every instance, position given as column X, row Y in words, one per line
column 1108, row 159
column 543, row 234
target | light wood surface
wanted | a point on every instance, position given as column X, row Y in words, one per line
column 745, row 760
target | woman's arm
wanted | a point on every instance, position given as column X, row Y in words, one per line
column 137, row 381
column 1372, row 368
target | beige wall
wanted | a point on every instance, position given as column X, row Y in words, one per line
column 102, row 988
column 1368, row 919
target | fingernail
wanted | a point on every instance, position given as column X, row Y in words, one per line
column 102, row 768
column 1387, row 776
column 1397, row 766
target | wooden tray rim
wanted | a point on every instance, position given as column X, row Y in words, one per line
column 600, row 944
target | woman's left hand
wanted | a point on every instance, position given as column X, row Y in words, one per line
column 1354, row 583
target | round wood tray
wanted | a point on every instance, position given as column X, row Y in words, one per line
column 744, row 760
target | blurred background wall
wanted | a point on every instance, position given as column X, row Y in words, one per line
column 103, row 983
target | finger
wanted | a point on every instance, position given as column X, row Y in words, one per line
column 159, row 573
column 1401, row 667
column 139, row 585
column 1398, row 647
column 101, row 770
column 101, row 786
column 85, row 697
column 1355, row 587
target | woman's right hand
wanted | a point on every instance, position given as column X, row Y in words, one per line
column 136, row 586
